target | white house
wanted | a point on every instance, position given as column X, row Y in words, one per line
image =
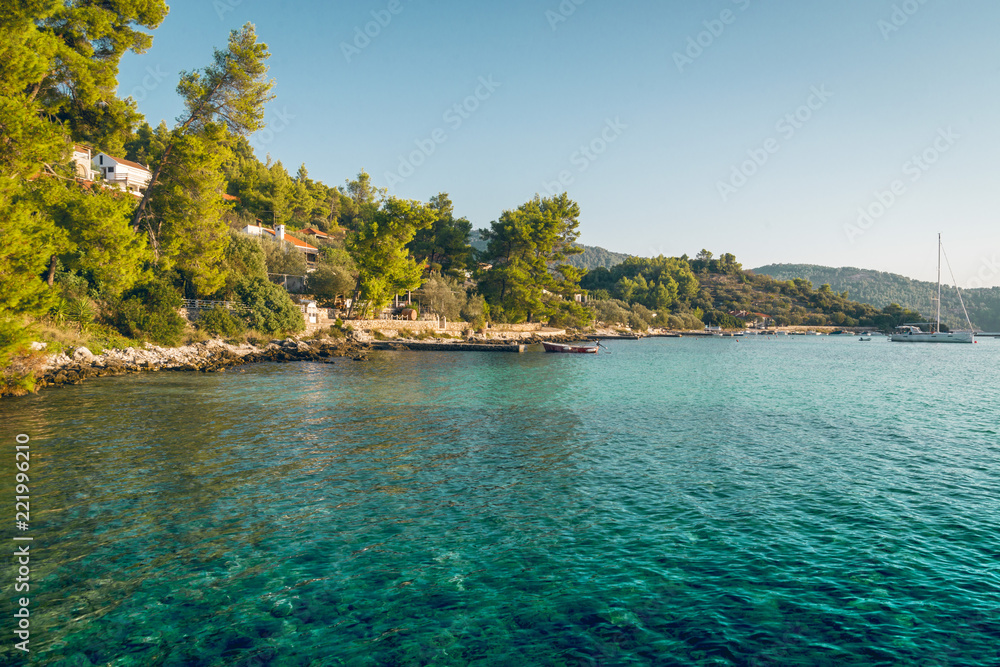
column 130, row 176
column 83, row 158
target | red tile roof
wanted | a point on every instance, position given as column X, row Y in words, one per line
column 128, row 162
column 310, row 231
column 230, row 197
column 294, row 241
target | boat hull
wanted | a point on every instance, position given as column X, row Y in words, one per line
column 955, row 337
column 570, row 349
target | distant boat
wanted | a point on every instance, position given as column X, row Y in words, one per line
column 572, row 349
column 865, row 338
column 912, row 334
column 909, row 333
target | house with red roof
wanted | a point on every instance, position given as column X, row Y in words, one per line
column 131, row 177
column 278, row 233
column 315, row 233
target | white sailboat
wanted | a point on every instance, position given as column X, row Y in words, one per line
column 913, row 334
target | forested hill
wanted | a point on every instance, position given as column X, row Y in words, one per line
column 881, row 289
column 592, row 257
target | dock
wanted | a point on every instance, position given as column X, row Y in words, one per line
column 404, row 345
column 615, row 337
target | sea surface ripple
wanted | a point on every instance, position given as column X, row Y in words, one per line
column 800, row 501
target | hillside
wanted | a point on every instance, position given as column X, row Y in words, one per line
column 592, row 257
column 881, row 289
column 679, row 292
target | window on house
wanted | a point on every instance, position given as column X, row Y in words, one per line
column 111, row 170
column 101, row 159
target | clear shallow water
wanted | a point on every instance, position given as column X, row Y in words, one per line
column 692, row 502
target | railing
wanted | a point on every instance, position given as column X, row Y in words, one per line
column 202, row 304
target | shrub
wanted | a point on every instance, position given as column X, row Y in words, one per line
column 81, row 311
column 570, row 314
column 271, row 310
column 221, row 322
column 18, row 363
column 475, row 311
column 149, row 312
column 444, row 296
column 637, row 323
column 611, row 312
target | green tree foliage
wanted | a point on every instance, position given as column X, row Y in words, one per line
column 244, row 258
column 28, row 239
column 724, row 294
column 188, row 229
column 594, row 257
column 527, row 249
column 378, row 246
column 269, row 194
column 283, row 258
column 475, row 311
column 444, row 296
column 100, row 244
column 220, row 321
column 445, row 244
column 271, row 310
column 59, row 60
column 658, row 283
column 149, row 312
column 232, row 91
column 15, row 355
column 328, row 282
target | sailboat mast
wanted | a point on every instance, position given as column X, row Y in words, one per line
column 938, row 329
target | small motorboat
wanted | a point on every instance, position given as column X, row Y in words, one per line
column 865, row 338
column 572, row 349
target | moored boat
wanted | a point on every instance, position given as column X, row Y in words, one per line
column 909, row 333
column 572, row 349
column 914, row 334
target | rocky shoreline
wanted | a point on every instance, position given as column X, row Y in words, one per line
column 216, row 356
column 212, row 356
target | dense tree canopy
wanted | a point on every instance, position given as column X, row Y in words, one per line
column 445, row 244
column 231, row 92
column 526, row 252
column 378, row 246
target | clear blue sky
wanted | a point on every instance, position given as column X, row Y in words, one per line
column 666, row 120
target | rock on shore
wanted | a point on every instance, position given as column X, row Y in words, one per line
column 209, row 357
column 215, row 356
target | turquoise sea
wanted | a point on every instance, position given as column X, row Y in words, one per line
column 799, row 501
